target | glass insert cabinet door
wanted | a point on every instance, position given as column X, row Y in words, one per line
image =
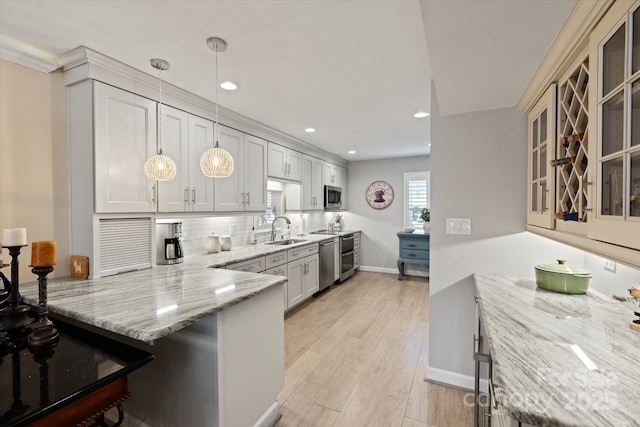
column 615, row 42
column 541, row 146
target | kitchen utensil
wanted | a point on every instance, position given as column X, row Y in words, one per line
column 213, row 243
column 225, row 242
column 562, row 277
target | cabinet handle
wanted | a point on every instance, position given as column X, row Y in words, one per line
column 193, row 196
column 186, row 195
column 284, row 168
column 412, row 255
column 412, row 245
column 289, row 169
column 248, row 198
column 243, row 201
column 153, row 193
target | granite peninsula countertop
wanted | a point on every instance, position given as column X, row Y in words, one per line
column 149, row 304
column 536, row 339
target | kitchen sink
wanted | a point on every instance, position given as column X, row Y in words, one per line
column 286, row 242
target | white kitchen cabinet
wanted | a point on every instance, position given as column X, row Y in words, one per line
column 312, row 184
column 277, row 266
column 184, row 138
column 284, row 162
column 615, row 100
column 302, row 271
column 246, row 188
column 541, row 149
column 125, row 137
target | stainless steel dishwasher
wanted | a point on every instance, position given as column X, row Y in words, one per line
column 327, row 264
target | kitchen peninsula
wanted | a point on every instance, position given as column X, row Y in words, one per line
column 561, row 360
column 217, row 337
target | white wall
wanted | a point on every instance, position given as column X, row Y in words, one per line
column 478, row 171
column 379, row 227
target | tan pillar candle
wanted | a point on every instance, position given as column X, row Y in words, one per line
column 43, row 254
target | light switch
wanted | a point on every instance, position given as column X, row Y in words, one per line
column 458, row 226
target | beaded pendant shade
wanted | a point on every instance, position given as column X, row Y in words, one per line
column 217, row 162
column 160, row 167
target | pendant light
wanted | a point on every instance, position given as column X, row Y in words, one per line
column 217, row 162
column 160, row 167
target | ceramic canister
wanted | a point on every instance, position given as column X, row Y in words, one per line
column 225, row 243
column 213, row 243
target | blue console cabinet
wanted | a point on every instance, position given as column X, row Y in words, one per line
column 414, row 249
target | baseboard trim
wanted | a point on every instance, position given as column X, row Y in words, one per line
column 378, row 269
column 407, row 272
column 270, row 417
column 453, row 379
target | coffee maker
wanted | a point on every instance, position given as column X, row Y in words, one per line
column 168, row 241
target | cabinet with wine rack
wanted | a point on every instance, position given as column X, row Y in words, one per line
column 572, row 192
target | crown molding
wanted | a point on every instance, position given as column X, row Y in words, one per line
column 29, row 57
column 570, row 42
column 83, row 63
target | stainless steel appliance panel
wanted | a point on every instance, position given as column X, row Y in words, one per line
column 347, row 257
column 327, row 263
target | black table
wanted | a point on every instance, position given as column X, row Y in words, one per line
column 82, row 375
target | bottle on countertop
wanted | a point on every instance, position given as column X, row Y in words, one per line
column 252, row 238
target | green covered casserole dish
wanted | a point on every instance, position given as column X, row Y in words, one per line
column 563, row 278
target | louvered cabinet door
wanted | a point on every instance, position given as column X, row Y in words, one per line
column 124, row 244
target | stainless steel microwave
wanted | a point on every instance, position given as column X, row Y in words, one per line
column 332, row 197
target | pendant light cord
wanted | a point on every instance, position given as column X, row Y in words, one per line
column 215, row 49
column 160, row 114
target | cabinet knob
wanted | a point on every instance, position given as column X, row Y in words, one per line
column 412, row 255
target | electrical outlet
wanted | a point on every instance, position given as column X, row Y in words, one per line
column 232, row 230
column 610, row 265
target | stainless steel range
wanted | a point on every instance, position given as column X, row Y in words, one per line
column 347, row 256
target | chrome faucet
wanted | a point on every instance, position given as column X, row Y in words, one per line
column 273, row 226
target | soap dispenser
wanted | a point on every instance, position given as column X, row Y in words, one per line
column 253, row 239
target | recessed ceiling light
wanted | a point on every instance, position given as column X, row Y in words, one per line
column 228, row 86
column 421, row 114
column 309, row 130
column 351, row 151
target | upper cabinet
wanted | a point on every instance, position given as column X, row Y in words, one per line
column 125, row 137
column 184, row 138
column 284, row 162
column 541, row 136
column 615, row 63
column 312, row 184
column 246, row 188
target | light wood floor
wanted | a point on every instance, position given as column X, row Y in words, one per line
column 357, row 355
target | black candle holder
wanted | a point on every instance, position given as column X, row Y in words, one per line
column 16, row 315
column 44, row 333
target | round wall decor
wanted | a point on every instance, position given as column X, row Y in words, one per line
column 379, row 195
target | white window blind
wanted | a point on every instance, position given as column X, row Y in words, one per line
column 416, row 191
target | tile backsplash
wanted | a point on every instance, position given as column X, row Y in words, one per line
column 196, row 230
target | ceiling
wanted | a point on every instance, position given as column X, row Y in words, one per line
column 356, row 70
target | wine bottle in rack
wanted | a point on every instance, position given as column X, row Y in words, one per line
column 566, row 160
column 567, row 216
column 568, row 140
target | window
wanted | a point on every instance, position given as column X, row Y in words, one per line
column 416, row 197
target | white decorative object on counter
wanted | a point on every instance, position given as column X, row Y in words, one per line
column 225, row 243
column 426, row 226
column 213, row 244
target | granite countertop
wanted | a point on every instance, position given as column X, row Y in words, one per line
column 535, row 338
column 149, row 304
